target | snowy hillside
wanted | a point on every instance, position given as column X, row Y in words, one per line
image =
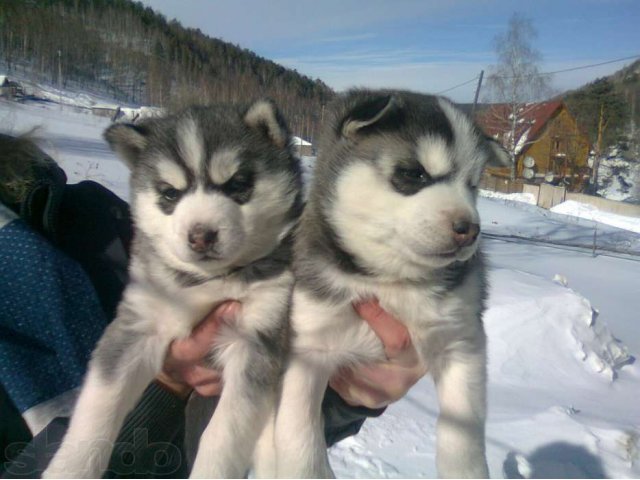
column 563, row 329
column 72, row 136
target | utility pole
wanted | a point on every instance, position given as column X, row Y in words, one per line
column 59, row 69
column 596, row 161
column 475, row 99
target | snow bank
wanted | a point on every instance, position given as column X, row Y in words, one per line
column 553, row 364
column 589, row 212
column 515, row 197
column 541, row 324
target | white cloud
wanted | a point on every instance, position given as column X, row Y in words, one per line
column 253, row 23
column 353, row 42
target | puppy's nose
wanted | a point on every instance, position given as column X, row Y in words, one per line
column 201, row 238
column 465, row 232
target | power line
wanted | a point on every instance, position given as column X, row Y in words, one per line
column 457, row 86
column 602, row 250
column 569, row 69
column 582, row 67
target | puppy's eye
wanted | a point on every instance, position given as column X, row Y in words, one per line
column 169, row 193
column 413, row 174
column 240, row 182
column 410, row 180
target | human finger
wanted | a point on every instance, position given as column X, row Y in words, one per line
column 198, row 375
column 197, row 345
column 210, row 389
column 393, row 334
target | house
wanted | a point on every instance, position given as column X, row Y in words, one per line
column 10, row 88
column 127, row 114
column 301, row 147
column 109, row 111
column 549, row 144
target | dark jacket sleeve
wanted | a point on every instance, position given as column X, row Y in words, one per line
column 341, row 420
column 150, row 443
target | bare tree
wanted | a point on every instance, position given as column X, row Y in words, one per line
column 515, row 80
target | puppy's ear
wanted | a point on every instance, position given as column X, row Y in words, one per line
column 128, row 141
column 367, row 113
column 265, row 117
column 497, row 154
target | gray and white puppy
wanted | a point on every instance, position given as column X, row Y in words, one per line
column 215, row 192
column 391, row 215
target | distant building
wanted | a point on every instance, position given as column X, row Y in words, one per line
column 135, row 114
column 10, row 88
column 109, row 111
column 550, row 145
column 301, row 147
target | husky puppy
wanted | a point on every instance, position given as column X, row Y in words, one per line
column 215, row 192
column 391, row 215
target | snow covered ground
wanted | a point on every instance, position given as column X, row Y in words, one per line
column 574, row 209
column 577, row 209
column 72, row 136
column 563, row 328
column 529, row 198
column 563, row 389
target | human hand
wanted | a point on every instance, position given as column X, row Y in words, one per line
column 378, row 385
column 184, row 368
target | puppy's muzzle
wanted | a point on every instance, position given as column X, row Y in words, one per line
column 465, row 232
column 202, row 238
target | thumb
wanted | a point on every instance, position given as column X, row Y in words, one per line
column 198, row 344
column 393, row 334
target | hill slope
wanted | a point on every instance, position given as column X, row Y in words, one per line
column 609, row 107
column 129, row 52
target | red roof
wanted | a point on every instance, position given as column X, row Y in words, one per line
column 495, row 121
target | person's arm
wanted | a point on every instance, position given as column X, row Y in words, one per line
column 149, row 444
column 378, row 385
column 365, row 391
column 342, row 420
column 184, row 368
column 353, row 395
column 155, row 428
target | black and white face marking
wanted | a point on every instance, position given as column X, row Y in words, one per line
column 405, row 200
column 232, row 172
column 209, row 189
column 430, row 164
column 171, row 182
column 175, row 182
column 168, row 197
column 409, row 177
column 240, row 186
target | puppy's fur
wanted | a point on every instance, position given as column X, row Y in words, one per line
column 215, row 191
column 391, row 215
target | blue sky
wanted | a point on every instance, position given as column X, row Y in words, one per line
column 423, row 45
